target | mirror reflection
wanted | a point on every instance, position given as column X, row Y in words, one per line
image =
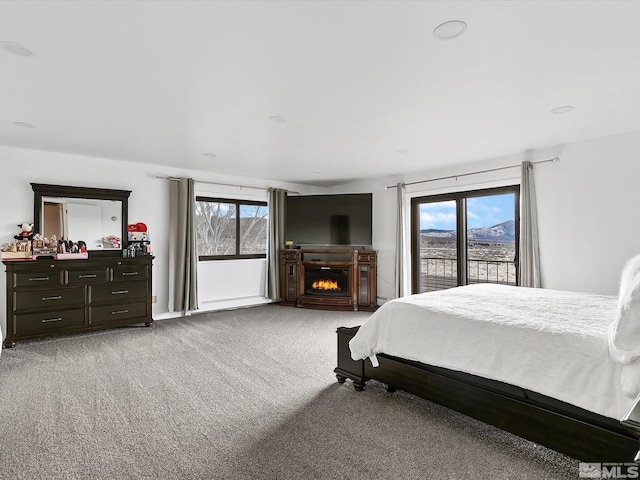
column 96, row 222
column 97, row 216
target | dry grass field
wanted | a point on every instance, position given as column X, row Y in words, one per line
column 487, row 262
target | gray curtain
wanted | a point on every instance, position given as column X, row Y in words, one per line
column 276, row 204
column 529, row 254
column 402, row 287
column 183, row 253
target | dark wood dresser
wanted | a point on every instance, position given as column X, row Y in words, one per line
column 50, row 297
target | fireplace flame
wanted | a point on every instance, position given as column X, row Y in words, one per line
column 325, row 285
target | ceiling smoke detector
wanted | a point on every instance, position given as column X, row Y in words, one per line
column 277, row 119
column 450, row 30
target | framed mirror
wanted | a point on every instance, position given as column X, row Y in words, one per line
column 97, row 216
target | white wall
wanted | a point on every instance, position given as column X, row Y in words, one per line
column 224, row 284
column 588, row 219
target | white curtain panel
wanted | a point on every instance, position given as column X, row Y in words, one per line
column 529, row 254
column 183, row 253
column 276, row 205
column 401, row 280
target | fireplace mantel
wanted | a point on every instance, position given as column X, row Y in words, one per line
column 352, row 271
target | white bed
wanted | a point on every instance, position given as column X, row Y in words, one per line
column 551, row 342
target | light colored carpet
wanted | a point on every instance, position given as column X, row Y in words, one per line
column 242, row 394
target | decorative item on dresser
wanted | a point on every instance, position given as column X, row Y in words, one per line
column 49, row 297
column 329, row 279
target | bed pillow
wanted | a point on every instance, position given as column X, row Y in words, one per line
column 624, row 331
column 630, row 270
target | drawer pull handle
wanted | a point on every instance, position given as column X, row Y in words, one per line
column 57, row 297
column 118, row 312
column 35, row 279
column 129, row 273
column 47, row 320
column 93, row 275
column 120, row 292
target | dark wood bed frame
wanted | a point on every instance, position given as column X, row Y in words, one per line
column 565, row 428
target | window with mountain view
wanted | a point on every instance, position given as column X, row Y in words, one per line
column 464, row 238
column 228, row 229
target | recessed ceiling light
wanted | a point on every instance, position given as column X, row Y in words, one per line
column 277, row 119
column 23, row 124
column 16, row 49
column 402, row 150
column 450, row 30
column 563, row 109
column 210, row 155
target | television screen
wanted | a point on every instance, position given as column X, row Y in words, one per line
column 344, row 219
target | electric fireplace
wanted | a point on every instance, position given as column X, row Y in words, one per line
column 331, row 279
column 326, row 281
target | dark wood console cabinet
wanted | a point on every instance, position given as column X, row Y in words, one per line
column 359, row 268
column 49, row 297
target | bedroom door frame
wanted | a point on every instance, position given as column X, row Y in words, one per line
column 460, row 199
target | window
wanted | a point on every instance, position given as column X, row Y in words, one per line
column 228, row 229
column 464, row 238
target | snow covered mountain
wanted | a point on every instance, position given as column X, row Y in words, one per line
column 502, row 232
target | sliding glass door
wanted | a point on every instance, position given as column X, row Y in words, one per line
column 464, row 238
column 437, row 242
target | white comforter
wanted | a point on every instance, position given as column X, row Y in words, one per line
column 548, row 341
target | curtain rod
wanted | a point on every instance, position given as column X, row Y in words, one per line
column 155, row 177
column 554, row 160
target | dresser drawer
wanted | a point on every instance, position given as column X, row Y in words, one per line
column 47, row 299
column 117, row 292
column 83, row 276
column 47, row 322
column 117, row 313
column 129, row 273
column 52, row 278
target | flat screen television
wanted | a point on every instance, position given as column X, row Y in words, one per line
column 330, row 220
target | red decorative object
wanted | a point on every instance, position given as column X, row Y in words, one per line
column 137, row 227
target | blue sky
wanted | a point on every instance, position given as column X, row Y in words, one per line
column 481, row 212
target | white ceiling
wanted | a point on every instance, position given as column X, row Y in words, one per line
column 162, row 82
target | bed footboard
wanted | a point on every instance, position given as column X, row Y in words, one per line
column 562, row 427
column 348, row 368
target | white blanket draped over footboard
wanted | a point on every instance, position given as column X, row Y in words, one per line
column 551, row 342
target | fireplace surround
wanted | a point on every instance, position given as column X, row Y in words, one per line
column 329, row 279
